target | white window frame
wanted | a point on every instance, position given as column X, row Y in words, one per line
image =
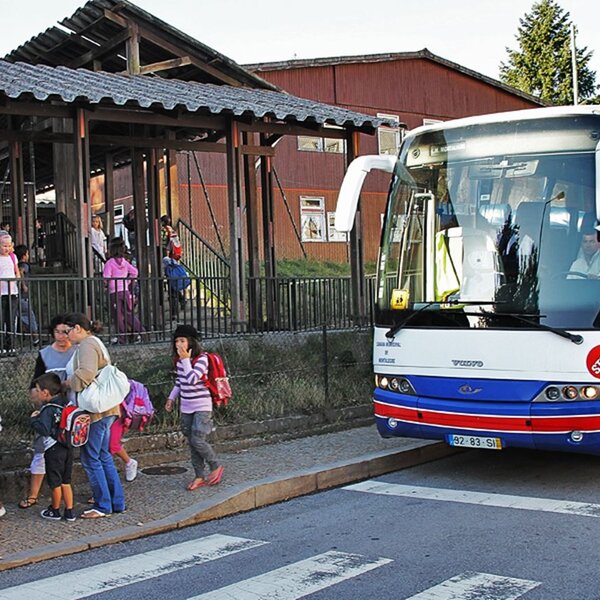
column 387, row 131
column 312, row 215
column 308, row 143
column 333, row 235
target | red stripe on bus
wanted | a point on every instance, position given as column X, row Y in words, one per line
column 489, row 422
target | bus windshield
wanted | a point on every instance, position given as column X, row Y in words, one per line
column 492, row 226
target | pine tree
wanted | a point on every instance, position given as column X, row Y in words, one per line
column 542, row 65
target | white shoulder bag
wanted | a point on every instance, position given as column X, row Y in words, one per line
column 107, row 390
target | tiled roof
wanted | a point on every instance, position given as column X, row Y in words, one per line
column 22, row 80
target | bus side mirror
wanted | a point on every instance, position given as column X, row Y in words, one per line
column 352, row 185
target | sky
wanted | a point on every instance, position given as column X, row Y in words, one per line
column 474, row 34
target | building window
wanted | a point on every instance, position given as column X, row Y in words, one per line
column 312, row 218
column 389, row 138
column 310, row 144
column 334, row 145
column 317, row 144
column 333, row 235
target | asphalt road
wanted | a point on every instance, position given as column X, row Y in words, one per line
column 479, row 525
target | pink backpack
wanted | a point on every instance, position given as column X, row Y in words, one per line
column 137, row 407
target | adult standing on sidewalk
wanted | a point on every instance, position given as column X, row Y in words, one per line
column 91, row 356
column 51, row 359
column 120, row 274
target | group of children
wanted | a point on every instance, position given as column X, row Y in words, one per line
column 191, row 367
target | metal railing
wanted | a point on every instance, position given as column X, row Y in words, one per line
column 148, row 309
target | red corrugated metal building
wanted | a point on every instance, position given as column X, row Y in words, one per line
column 414, row 88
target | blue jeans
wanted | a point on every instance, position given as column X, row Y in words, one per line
column 100, row 469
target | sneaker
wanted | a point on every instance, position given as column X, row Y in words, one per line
column 68, row 515
column 138, row 339
column 131, row 469
column 2, row 510
column 51, row 513
column 114, row 340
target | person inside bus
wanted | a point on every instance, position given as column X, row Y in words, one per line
column 588, row 260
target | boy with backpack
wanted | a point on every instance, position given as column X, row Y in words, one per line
column 57, row 456
column 178, row 281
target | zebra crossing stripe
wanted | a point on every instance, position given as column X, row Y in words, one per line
column 478, row 585
column 298, row 579
column 482, row 498
column 133, row 569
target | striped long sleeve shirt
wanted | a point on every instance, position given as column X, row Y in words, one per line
column 190, row 387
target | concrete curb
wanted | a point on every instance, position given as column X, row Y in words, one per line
column 248, row 496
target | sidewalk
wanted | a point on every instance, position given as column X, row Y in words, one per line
column 253, row 478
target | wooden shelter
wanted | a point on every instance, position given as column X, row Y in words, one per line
column 123, row 86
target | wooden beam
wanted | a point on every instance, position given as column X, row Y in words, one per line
column 35, row 136
column 165, row 65
column 100, row 51
column 141, row 142
column 186, row 120
column 115, row 18
column 291, row 129
column 33, row 109
column 179, row 52
column 257, row 150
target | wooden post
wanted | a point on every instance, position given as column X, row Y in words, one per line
column 236, row 248
column 139, row 205
column 133, row 50
column 357, row 268
column 172, row 181
column 109, row 195
column 254, row 289
column 82, row 199
column 268, row 226
column 17, row 189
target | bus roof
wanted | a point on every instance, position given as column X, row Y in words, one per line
column 515, row 115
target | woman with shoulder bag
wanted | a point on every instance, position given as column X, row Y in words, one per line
column 90, row 357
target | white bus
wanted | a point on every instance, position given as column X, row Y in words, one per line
column 487, row 317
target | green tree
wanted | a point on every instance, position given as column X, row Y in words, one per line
column 542, row 65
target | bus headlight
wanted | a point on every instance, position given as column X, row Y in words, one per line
column 552, row 393
column 570, row 392
column 589, row 392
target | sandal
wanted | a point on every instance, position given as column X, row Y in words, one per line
column 215, row 476
column 28, row 502
column 93, row 513
column 194, row 485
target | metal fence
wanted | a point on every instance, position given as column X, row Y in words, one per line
column 148, row 309
column 272, row 375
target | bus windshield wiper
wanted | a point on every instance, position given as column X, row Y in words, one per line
column 573, row 337
column 396, row 328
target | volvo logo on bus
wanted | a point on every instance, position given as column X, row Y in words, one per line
column 467, row 389
column 467, row 363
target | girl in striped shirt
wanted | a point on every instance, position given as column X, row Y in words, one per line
column 195, row 404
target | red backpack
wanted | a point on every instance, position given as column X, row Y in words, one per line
column 74, row 426
column 216, row 379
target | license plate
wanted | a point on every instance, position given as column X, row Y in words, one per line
column 475, row 441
